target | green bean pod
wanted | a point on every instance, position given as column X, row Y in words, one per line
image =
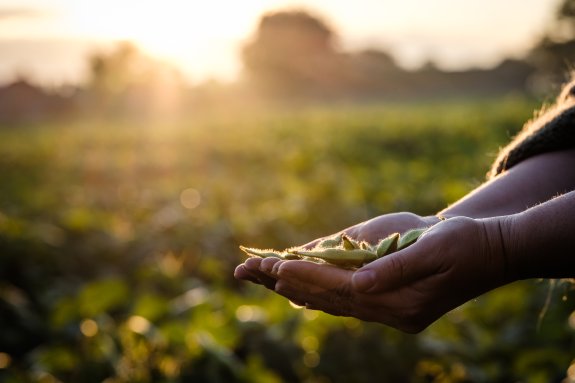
column 387, row 245
column 349, row 243
column 267, row 253
column 339, row 257
column 410, row 237
column 333, row 241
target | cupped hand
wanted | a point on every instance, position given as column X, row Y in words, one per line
column 453, row 262
column 256, row 270
column 380, row 227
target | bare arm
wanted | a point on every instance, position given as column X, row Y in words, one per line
column 540, row 242
column 531, row 182
column 527, row 184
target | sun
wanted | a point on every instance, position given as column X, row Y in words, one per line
column 159, row 24
column 183, row 31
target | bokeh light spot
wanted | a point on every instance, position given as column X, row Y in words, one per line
column 190, row 198
column 247, row 313
column 571, row 373
column 89, row 328
column 572, row 320
column 311, row 359
column 5, row 360
column 138, row 324
column 310, row 343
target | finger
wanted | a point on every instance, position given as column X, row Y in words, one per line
column 266, row 265
column 255, row 276
column 242, row 273
column 268, row 281
column 296, row 295
column 253, row 263
column 323, row 286
column 341, row 302
column 394, row 270
column 313, row 276
column 326, row 301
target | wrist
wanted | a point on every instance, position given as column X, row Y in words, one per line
column 500, row 247
column 541, row 239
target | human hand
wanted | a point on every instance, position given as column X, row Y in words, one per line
column 454, row 261
column 370, row 231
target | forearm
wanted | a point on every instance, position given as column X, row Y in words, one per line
column 540, row 242
column 527, row 184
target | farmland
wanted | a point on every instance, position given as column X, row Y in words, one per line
column 118, row 242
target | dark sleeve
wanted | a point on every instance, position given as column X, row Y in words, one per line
column 552, row 130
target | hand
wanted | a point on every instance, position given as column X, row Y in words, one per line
column 454, row 261
column 380, row 227
column 255, row 271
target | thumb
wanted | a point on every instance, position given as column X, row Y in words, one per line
column 391, row 271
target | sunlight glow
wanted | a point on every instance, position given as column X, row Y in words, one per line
column 203, row 39
column 164, row 26
column 180, row 31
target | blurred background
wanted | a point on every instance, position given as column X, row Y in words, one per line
column 142, row 141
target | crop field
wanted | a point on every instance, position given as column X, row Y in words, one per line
column 118, row 242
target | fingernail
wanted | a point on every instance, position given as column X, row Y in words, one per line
column 363, row 280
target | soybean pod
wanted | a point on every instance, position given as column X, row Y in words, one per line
column 339, row 257
column 387, row 245
column 342, row 250
column 409, row 238
column 266, row 253
column 330, row 242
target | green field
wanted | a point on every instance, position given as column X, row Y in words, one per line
column 118, row 242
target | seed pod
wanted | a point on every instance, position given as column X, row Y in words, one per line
column 339, row 257
column 267, row 253
column 349, row 243
column 288, row 255
column 333, row 241
column 409, row 237
column 387, row 245
column 366, row 246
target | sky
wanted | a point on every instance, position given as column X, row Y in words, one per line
column 49, row 40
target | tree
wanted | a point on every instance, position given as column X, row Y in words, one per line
column 554, row 54
column 127, row 82
column 293, row 53
column 566, row 16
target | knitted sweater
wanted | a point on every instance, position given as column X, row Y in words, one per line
column 551, row 130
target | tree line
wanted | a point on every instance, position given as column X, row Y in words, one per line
column 293, row 56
